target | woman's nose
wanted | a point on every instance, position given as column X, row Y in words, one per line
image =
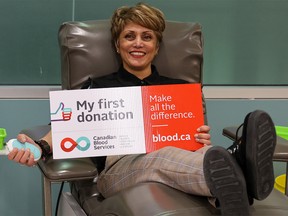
column 138, row 42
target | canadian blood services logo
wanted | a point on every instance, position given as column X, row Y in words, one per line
column 82, row 144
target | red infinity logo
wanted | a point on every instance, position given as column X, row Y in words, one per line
column 74, row 144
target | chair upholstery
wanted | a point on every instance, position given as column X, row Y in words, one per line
column 87, row 51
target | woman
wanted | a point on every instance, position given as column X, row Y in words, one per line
column 137, row 33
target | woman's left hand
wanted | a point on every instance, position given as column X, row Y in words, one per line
column 202, row 135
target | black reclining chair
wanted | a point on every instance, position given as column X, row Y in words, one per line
column 87, row 51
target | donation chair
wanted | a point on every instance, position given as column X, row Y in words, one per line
column 87, row 51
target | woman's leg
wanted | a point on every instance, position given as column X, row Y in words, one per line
column 177, row 168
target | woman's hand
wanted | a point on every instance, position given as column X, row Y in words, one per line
column 202, row 135
column 24, row 157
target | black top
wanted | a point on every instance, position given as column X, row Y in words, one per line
column 123, row 78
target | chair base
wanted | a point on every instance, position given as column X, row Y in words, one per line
column 69, row 206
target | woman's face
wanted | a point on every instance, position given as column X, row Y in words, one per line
column 137, row 47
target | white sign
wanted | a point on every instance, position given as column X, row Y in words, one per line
column 114, row 121
column 86, row 122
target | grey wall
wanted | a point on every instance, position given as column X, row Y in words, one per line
column 245, row 40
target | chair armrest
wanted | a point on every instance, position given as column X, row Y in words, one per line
column 36, row 132
column 281, row 150
column 68, row 169
column 230, row 132
column 64, row 169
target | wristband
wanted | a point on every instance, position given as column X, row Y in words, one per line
column 45, row 147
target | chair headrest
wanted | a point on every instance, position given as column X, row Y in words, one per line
column 87, row 51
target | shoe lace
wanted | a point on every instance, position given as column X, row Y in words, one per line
column 235, row 146
column 238, row 139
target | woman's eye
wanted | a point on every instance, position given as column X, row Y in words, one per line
column 129, row 36
column 147, row 37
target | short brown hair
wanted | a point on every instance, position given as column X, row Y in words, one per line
column 141, row 14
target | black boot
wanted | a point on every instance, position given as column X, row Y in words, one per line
column 226, row 181
column 254, row 153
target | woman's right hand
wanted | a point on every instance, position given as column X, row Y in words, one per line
column 24, row 157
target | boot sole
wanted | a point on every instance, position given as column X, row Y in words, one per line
column 260, row 146
column 226, row 181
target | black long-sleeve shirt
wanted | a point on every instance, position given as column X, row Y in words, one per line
column 123, row 78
